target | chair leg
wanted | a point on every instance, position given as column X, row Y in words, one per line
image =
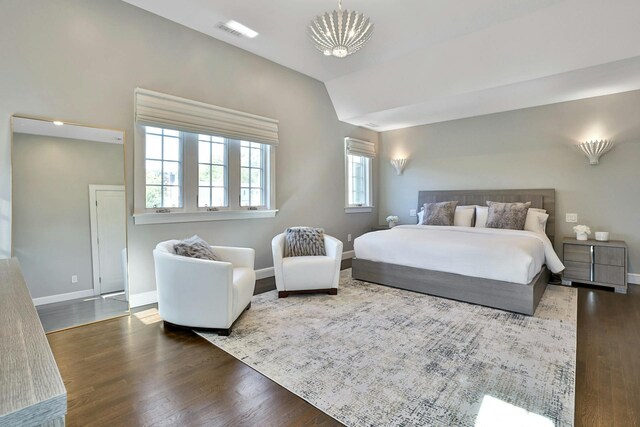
column 283, row 294
column 224, row 332
column 333, row 291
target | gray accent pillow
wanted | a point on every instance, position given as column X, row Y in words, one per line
column 195, row 247
column 509, row 216
column 441, row 213
column 304, row 241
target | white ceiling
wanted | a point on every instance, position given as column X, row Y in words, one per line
column 85, row 133
column 437, row 60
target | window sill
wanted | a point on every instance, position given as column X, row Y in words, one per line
column 175, row 217
column 358, row 209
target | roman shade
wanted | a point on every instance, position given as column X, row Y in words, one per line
column 168, row 111
column 356, row 147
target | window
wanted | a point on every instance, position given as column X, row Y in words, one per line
column 252, row 173
column 212, row 172
column 163, row 167
column 163, row 171
column 200, row 162
column 359, row 157
column 358, row 182
column 188, row 173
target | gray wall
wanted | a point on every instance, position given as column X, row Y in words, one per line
column 80, row 60
column 530, row 148
column 51, row 227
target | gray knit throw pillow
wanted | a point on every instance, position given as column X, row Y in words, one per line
column 510, row 216
column 195, row 247
column 439, row 213
column 304, row 241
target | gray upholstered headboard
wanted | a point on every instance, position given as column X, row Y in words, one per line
column 541, row 198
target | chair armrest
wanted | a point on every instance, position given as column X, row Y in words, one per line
column 277, row 250
column 333, row 247
column 239, row 257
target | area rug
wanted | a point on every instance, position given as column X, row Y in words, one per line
column 378, row 356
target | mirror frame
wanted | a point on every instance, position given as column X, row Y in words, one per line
column 126, row 196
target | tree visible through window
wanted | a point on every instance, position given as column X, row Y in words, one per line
column 358, row 180
column 252, row 173
column 163, row 167
column 212, row 171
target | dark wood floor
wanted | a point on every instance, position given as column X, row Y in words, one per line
column 608, row 359
column 136, row 371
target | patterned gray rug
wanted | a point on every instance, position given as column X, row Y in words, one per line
column 374, row 355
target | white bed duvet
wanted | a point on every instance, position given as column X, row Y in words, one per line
column 507, row 255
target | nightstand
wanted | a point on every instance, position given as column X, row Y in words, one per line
column 596, row 263
column 380, row 227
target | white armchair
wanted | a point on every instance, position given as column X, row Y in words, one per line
column 307, row 274
column 201, row 293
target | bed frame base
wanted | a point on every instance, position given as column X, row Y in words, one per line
column 491, row 293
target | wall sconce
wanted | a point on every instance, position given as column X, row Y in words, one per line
column 594, row 149
column 399, row 164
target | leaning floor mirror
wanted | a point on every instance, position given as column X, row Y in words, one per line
column 69, row 220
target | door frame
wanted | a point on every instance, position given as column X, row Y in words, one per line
column 93, row 218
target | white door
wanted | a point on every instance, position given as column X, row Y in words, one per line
column 111, row 239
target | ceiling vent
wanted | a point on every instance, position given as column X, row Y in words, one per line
column 224, row 27
column 372, row 125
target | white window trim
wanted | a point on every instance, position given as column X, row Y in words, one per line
column 366, row 149
column 176, row 217
column 152, row 109
column 359, row 209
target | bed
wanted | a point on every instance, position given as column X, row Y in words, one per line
column 505, row 269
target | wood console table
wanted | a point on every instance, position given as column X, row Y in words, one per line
column 31, row 389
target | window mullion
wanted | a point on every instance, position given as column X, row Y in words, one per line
column 190, row 171
column 233, row 174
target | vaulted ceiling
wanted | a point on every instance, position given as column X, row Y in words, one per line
column 437, row 60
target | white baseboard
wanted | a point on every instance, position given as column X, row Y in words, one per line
column 633, row 278
column 263, row 273
column 144, row 298
column 348, row 254
column 63, row 297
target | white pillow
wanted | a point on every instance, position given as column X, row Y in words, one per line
column 538, row 210
column 463, row 216
column 536, row 220
column 482, row 212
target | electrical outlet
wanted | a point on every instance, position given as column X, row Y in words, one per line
column 572, row 217
column 74, row 279
column 412, row 212
column 348, row 237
